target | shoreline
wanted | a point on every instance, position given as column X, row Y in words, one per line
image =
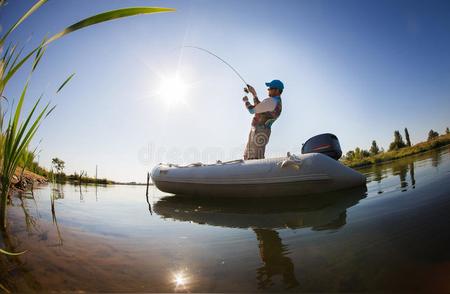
column 24, row 180
column 389, row 156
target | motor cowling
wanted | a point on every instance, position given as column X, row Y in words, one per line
column 327, row 144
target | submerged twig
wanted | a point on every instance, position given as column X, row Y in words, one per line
column 146, row 195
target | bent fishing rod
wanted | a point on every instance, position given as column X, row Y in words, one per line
column 218, row 57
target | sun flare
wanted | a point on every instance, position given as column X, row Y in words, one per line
column 173, row 91
column 181, row 281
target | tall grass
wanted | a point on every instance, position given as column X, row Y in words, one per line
column 18, row 134
column 17, row 138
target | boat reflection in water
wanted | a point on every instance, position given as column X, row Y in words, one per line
column 266, row 216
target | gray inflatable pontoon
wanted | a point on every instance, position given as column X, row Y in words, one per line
column 284, row 176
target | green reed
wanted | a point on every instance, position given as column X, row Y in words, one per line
column 18, row 134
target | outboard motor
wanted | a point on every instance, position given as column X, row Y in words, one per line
column 327, row 144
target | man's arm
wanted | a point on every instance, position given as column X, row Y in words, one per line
column 255, row 96
column 250, row 107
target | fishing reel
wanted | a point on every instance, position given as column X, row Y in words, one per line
column 246, row 89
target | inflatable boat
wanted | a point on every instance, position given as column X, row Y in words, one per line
column 316, row 170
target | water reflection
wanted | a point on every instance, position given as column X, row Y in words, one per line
column 181, row 281
column 30, row 220
column 435, row 158
column 264, row 217
column 411, row 173
column 273, row 254
column 318, row 212
column 401, row 169
column 378, row 175
column 57, row 193
column 381, row 175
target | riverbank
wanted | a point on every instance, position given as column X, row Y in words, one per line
column 24, row 179
column 418, row 148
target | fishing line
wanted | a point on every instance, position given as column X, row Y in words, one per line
column 229, row 65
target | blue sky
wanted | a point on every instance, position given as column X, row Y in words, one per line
column 358, row 69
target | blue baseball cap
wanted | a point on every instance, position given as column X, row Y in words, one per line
column 275, row 84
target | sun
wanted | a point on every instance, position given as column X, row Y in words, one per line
column 173, row 91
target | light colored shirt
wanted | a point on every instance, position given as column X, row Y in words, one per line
column 266, row 111
column 266, row 105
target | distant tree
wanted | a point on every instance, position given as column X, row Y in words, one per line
column 82, row 174
column 432, row 135
column 408, row 141
column 398, row 142
column 350, row 155
column 358, row 154
column 365, row 153
column 374, row 149
column 58, row 164
column 447, row 131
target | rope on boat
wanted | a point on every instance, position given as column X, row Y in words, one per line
column 195, row 164
column 291, row 161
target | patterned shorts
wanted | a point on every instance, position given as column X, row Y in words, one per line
column 257, row 141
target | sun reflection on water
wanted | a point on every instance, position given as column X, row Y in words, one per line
column 181, row 281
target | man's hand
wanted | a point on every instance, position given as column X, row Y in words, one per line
column 245, row 99
column 251, row 90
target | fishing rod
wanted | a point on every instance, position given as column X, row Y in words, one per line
column 229, row 65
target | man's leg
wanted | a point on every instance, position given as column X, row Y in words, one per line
column 260, row 140
column 248, row 153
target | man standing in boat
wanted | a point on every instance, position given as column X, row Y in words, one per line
column 265, row 113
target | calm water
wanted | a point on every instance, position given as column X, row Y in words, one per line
column 393, row 236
